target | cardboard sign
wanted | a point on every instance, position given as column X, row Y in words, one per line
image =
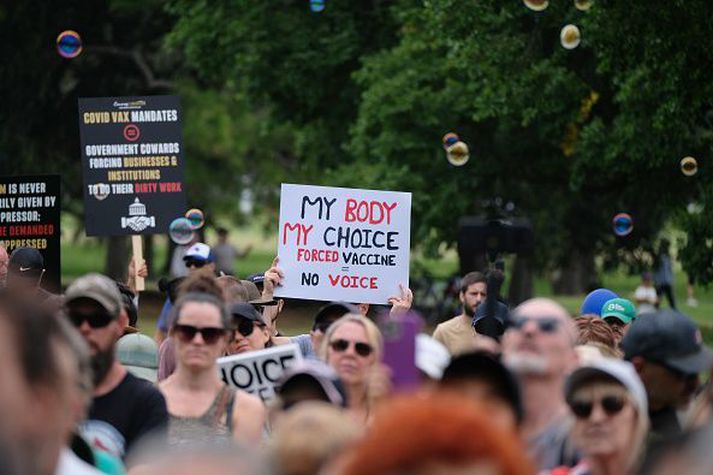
column 132, row 159
column 257, row 372
column 343, row 244
column 30, row 217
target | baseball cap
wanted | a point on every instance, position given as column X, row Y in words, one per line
column 621, row 309
column 254, row 294
column 670, row 338
column 316, row 374
column 246, row 310
column 99, row 288
column 199, row 252
column 139, row 354
column 595, row 300
column 431, row 356
column 483, row 366
column 26, row 261
column 621, row 371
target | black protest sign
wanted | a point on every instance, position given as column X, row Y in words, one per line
column 132, row 159
column 29, row 217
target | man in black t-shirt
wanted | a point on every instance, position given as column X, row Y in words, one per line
column 124, row 408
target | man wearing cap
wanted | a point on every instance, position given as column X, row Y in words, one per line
column 124, row 407
column 667, row 351
column 619, row 313
column 457, row 334
column 25, row 270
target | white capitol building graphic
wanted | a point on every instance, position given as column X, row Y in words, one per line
column 137, row 220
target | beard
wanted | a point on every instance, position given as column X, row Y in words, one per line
column 468, row 310
column 101, row 363
column 526, row 364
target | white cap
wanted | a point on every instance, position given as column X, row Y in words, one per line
column 431, row 356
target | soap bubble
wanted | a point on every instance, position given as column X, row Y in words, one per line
column 196, row 218
column 536, row 5
column 583, row 5
column 69, row 44
column 689, row 166
column 181, row 231
column 449, row 139
column 623, row 224
column 570, row 37
column 458, row 154
column 316, row 5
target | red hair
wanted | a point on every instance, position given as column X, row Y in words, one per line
column 412, row 433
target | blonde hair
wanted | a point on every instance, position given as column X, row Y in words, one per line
column 372, row 334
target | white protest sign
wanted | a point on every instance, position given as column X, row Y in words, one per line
column 343, row 244
column 257, row 372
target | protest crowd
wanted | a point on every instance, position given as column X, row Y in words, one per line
column 523, row 390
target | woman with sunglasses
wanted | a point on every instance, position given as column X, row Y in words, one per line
column 251, row 333
column 353, row 347
column 611, row 421
column 201, row 407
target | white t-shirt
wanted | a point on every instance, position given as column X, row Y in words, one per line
column 648, row 295
column 70, row 464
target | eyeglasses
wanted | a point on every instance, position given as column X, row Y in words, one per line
column 545, row 325
column 611, row 404
column 94, row 319
column 187, row 333
column 362, row 349
column 246, row 326
column 194, row 263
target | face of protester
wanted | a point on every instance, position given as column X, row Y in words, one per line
column 199, row 350
column 473, row 296
column 194, row 265
column 618, row 327
column 541, row 339
column 100, row 331
column 609, row 427
column 256, row 340
column 351, row 366
column 665, row 387
column 3, row 265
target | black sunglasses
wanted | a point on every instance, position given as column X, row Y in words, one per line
column 194, row 263
column 362, row 349
column 187, row 333
column 245, row 326
column 94, row 319
column 545, row 325
column 612, row 404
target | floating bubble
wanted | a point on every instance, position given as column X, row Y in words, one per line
column 694, row 208
column 458, row 154
column 181, row 231
column 196, row 218
column 536, row 5
column 583, row 5
column 623, row 224
column 689, row 166
column 316, row 5
column 570, row 37
column 69, row 44
column 449, row 139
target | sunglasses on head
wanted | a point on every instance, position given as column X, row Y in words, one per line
column 245, row 326
column 187, row 333
column 362, row 349
column 94, row 319
column 611, row 404
column 545, row 325
column 194, row 263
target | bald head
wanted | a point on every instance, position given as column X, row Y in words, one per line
column 541, row 307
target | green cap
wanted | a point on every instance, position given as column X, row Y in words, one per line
column 620, row 308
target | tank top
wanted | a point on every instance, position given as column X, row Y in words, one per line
column 214, row 425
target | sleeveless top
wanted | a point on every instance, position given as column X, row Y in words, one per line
column 213, row 426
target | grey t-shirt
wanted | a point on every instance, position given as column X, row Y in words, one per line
column 552, row 447
column 305, row 343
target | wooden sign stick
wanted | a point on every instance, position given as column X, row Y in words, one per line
column 137, row 249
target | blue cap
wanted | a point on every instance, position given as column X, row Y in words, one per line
column 595, row 300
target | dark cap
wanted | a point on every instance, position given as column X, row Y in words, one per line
column 485, row 367
column 670, row 338
column 26, row 261
column 318, row 375
column 254, row 295
column 494, row 325
column 333, row 311
column 246, row 310
column 98, row 288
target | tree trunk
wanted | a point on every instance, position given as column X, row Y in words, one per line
column 117, row 257
column 521, row 281
column 577, row 276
